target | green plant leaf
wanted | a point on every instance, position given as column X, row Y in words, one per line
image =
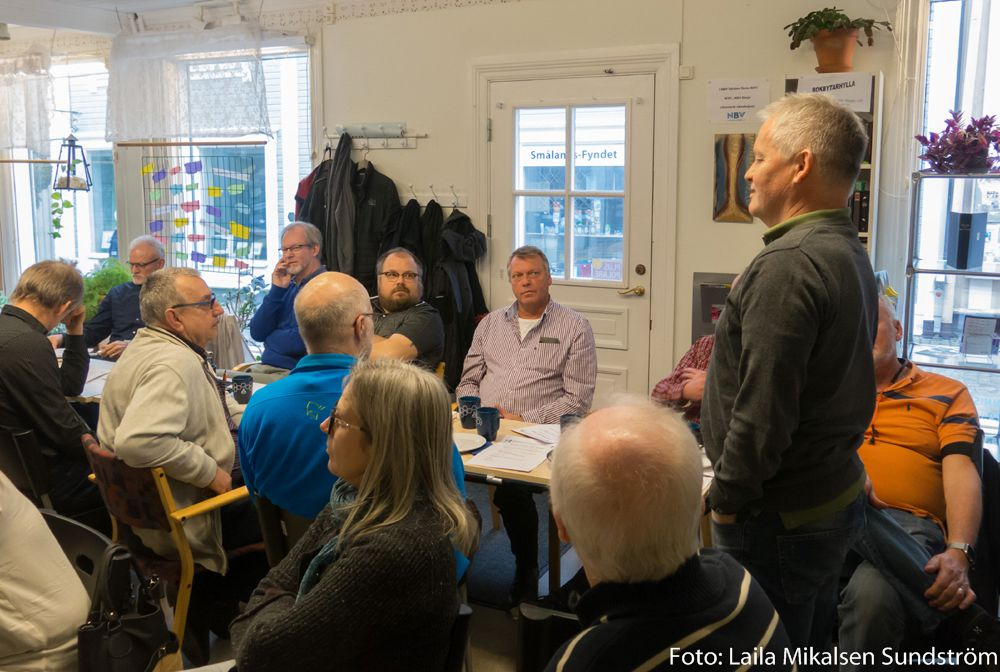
column 67, row 204
column 56, row 195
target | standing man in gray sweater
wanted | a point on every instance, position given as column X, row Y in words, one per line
column 791, row 386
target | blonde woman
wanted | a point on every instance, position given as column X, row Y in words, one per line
column 372, row 583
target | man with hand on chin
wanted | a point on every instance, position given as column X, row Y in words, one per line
column 535, row 360
column 33, row 385
column 274, row 322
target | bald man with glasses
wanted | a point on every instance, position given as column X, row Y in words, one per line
column 118, row 317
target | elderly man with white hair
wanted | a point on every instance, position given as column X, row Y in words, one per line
column 117, row 318
column 626, row 492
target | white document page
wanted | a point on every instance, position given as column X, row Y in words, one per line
column 512, row 454
column 545, row 433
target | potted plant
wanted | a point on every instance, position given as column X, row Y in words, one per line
column 99, row 282
column 834, row 36
column 962, row 148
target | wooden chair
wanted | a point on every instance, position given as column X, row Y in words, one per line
column 141, row 498
column 21, row 460
column 280, row 529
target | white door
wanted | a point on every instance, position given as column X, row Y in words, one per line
column 571, row 172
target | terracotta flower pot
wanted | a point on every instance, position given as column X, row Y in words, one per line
column 835, row 51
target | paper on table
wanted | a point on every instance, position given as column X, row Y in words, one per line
column 545, row 433
column 512, row 454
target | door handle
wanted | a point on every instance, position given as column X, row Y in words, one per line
column 638, row 290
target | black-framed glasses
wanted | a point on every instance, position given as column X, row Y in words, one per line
column 393, row 276
column 293, row 248
column 209, row 303
column 338, row 423
column 141, row 264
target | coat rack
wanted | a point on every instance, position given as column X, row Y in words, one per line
column 372, row 136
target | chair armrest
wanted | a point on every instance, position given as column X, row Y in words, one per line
column 211, row 504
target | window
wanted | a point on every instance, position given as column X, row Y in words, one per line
column 220, row 208
column 89, row 221
column 573, row 210
column 963, row 65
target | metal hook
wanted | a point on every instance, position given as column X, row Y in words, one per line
column 454, row 202
column 413, row 192
column 431, row 186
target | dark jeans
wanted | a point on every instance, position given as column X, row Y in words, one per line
column 884, row 597
column 798, row 568
column 520, row 519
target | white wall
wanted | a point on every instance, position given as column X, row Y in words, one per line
column 414, row 67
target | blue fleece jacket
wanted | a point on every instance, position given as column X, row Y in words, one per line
column 274, row 324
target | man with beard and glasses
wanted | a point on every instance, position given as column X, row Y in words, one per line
column 274, row 322
column 406, row 327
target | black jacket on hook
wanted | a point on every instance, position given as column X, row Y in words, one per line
column 377, row 204
column 339, row 247
column 403, row 230
column 457, row 293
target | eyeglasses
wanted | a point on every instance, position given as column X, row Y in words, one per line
column 141, row 264
column 209, row 303
column 394, row 276
column 293, row 248
column 532, row 275
column 336, row 423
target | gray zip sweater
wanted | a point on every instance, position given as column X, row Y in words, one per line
column 791, row 384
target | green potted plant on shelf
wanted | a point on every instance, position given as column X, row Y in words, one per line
column 99, row 282
column 834, row 36
column 962, row 148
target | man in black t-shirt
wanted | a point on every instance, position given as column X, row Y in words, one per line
column 406, row 327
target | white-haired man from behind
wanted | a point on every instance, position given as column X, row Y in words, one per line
column 626, row 492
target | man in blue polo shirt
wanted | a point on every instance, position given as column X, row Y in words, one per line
column 282, row 450
column 274, row 322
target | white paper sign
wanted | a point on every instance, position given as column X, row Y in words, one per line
column 977, row 336
column 733, row 101
column 853, row 89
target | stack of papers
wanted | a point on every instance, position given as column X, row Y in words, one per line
column 513, row 454
column 520, row 453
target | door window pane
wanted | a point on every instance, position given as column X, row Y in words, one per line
column 541, row 148
column 599, row 148
column 540, row 222
column 598, row 247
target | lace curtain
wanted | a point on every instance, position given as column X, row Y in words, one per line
column 190, row 84
column 25, row 101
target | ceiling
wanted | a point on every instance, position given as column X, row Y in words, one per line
column 102, row 16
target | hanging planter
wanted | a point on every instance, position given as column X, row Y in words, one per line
column 962, row 148
column 834, row 36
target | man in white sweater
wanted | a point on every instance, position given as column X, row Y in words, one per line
column 161, row 406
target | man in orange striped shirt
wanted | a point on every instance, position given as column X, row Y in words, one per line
column 919, row 453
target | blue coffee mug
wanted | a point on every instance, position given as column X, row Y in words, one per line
column 467, row 407
column 488, row 422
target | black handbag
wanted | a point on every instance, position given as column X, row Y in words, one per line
column 126, row 630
